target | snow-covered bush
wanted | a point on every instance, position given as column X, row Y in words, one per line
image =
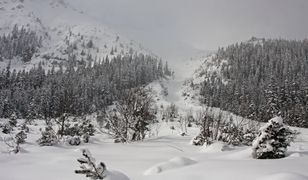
column 49, row 137
column 94, row 171
column 85, row 138
column 87, row 128
column 79, row 130
column 215, row 127
column 206, row 124
column 25, row 128
column 21, row 137
column 89, row 168
column 74, row 141
column 231, row 133
column 199, row 140
column 13, row 120
column 13, row 145
column 7, row 128
column 62, row 122
column 248, row 137
column 171, row 112
column 70, row 129
column 130, row 117
column 272, row 141
column 73, row 129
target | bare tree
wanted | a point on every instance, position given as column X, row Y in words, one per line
column 131, row 115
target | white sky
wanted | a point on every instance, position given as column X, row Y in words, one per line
column 172, row 28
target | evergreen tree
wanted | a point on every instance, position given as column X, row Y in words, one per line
column 272, row 141
column 259, row 80
column 89, row 168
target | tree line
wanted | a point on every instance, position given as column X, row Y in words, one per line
column 76, row 88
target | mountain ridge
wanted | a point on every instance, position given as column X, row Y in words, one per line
column 65, row 30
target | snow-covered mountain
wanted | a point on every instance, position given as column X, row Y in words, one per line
column 65, row 30
column 208, row 67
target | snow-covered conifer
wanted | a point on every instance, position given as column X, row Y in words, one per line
column 21, row 137
column 85, row 138
column 89, row 168
column 13, row 120
column 48, row 138
column 74, row 141
column 272, row 141
column 7, row 128
column 25, row 128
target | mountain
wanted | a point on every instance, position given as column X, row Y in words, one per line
column 63, row 30
column 256, row 79
column 56, row 59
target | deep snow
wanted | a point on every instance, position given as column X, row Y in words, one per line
column 163, row 157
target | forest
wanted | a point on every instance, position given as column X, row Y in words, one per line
column 21, row 42
column 261, row 79
column 74, row 89
column 73, row 86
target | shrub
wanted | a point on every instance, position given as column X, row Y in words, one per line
column 273, row 140
column 21, row 137
column 48, row 138
column 89, row 168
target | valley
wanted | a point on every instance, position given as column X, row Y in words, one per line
column 78, row 100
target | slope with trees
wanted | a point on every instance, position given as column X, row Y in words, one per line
column 260, row 79
column 77, row 89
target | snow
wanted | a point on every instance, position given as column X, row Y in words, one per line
column 164, row 154
column 115, row 175
column 171, row 153
column 284, row 176
column 60, row 23
column 215, row 147
column 277, row 119
column 174, row 163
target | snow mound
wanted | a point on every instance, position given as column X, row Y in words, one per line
column 284, row 176
column 277, row 119
column 242, row 154
column 214, row 148
column 295, row 155
column 174, row 163
column 115, row 175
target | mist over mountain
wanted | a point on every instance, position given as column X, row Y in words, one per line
column 64, row 30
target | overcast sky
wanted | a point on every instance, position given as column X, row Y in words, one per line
column 173, row 28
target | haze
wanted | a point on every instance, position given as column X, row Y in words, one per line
column 180, row 28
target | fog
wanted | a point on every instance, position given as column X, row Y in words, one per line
column 180, row 28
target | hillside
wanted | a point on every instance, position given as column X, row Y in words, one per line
column 64, row 30
column 164, row 154
column 256, row 79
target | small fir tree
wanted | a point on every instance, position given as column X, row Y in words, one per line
column 89, row 168
column 13, row 120
column 49, row 137
column 21, row 137
column 273, row 140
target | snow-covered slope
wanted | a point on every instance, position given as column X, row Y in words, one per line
column 65, row 29
column 209, row 68
column 163, row 155
column 166, row 156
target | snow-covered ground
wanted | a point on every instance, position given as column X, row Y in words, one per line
column 165, row 155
